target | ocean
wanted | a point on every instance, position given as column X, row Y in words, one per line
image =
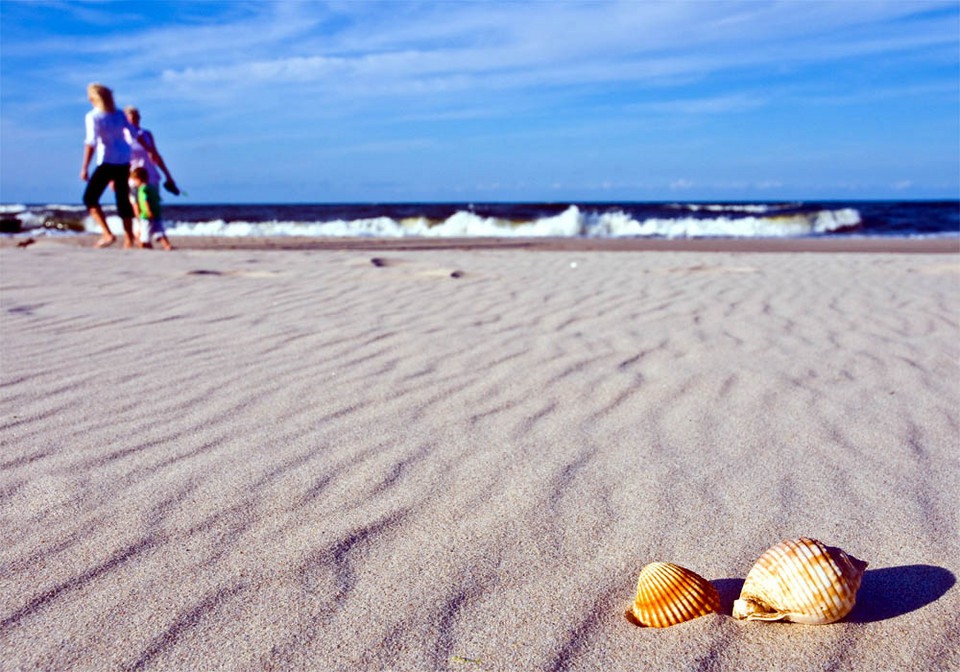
column 901, row 219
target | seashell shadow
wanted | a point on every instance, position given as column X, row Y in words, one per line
column 729, row 590
column 894, row 591
column 884, row 593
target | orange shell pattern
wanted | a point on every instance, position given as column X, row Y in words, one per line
column 668, row 594
column 803, row 581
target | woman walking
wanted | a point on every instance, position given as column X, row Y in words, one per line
column 105, row 125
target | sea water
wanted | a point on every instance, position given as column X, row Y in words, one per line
column 510, row 220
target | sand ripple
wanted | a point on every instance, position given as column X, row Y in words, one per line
column 461, row 459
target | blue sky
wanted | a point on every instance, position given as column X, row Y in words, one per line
column 494, row 101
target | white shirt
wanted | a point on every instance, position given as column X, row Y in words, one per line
column 139, row 156
column 105, row 131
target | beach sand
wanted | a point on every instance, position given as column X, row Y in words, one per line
column 460, row 457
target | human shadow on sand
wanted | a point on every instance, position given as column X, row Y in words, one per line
column 895, row 591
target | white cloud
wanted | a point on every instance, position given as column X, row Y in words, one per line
column 453, row 47
column 366, row 50
column 738, row 102
column 633, row 84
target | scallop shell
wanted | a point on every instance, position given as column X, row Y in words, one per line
column 803, row 581
column 668, row 594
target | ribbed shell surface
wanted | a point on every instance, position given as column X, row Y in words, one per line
column 668, row 594
column 801, row 580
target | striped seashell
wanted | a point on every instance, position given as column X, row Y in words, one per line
column 668, row 594
column 802, row 581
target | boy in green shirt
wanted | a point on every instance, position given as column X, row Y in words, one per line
column 148, row 198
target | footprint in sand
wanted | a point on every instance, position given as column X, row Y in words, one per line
column 443, row 273
column 381, row 262
column 238, row 274
column 708, row 269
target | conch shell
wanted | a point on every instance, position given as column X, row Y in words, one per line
column 668, row 594
column 802, row 581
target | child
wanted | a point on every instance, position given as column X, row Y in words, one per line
column 143, row 152
column 148, row 196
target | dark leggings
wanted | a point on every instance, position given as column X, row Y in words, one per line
column 118, row 173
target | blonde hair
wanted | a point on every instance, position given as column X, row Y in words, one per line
column 101, row 97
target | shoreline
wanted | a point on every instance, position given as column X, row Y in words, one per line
column 728, row 245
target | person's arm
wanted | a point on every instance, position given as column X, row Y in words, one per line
column 146, row 139
column 87, row 148
column 87, row 155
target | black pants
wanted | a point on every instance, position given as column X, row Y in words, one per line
column 118, row 173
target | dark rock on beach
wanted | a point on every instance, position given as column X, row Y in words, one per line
column 64, row 224
column 10, row 225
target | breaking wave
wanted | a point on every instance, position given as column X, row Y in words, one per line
column 570, row 223
column 514, row 220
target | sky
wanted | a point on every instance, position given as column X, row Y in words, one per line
column 315, row 102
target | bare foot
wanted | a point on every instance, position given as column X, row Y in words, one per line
column 127, row 242
column 105, row 241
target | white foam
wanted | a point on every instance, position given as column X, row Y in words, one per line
column 729, row 207
column 18, row 207
column 752, row 208
column 379, row 226
column 570, row 223
column 66, row 208
column 30, row 219
column 461, row 224
column 831, row 220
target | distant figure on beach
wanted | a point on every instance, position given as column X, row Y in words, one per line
column 144, row 153
column 105, row 134
column 148, row 205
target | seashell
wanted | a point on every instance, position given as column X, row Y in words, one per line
column 669, row 594
column 803, row 581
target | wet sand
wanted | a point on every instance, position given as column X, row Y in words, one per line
column 729, row 245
